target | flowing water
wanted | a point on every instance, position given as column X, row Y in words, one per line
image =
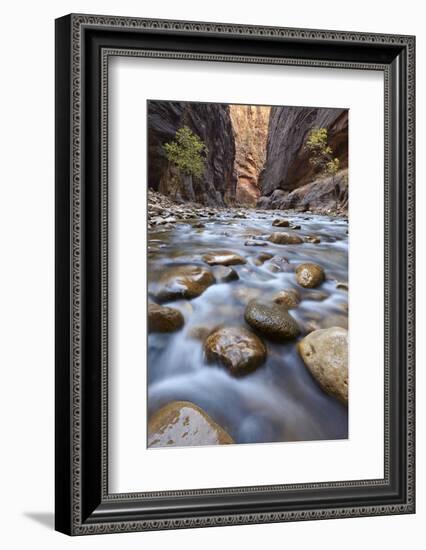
column 280, row 401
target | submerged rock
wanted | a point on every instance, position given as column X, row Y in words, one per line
column 223, row 257
column 285, row 238
column 200, row 332
column 309, row 275
column 290, row 298
column 182, row 424
column 279, row 264
column 244, row 294
column 314, row 239
column 224, row 274
column 325, row 353
column 185, row 281
column 317, row 295
column 271, row 320
column 262, row 257
column 238, row 349
column 253, row 242
column 164, row 319
column 281, row 223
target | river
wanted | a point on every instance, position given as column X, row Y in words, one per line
column 280, row 401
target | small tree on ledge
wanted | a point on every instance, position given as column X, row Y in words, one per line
column 321, row 156
column 187, row 152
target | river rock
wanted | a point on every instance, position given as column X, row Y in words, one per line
column 279, row 264
column 253, row 242
column 271, row 320
column 316, row 295
column 164, row 319
column 224, row 274
column 183, row 424
column 314, row 239
column 285, row 238
column 342, row 286
column 281, row 223
column 325, row 353
column 290, row 298
column 261, row 258
column 238, row 349
column 223, row 258
column 184, row 281
column 309, row 275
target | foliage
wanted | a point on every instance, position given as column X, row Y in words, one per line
column 321, row 154
column 187, row 152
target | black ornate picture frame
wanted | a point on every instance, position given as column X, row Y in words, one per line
column 84, row 43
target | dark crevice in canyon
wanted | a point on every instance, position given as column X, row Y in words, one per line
column 256, row 155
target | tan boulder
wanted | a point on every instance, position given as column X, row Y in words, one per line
column 325, row 353
column 183, row 424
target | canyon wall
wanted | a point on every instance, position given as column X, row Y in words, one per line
column 210, row 122
column 250, row 124
column 288, row 179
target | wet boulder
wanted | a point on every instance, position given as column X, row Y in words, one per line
column 279, row 222
column 271, row 320
column 309, row 275
column 236, row 348
column 285, row 238
column 164, row 319
column 184, row 281
column 325, row 353
column 182, row 424
column 223, row 257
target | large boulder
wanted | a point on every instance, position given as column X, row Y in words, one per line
column 183, row 424
column 164, row 319
column 184, row 281
column 325, row 353
column 238, row 349
column 309, row 275
column 271, row 320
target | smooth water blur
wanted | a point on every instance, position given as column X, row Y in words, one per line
column 280, row 401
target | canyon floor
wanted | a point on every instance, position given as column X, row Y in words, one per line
column 248, row 318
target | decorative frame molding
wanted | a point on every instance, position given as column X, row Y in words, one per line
column 83, row 504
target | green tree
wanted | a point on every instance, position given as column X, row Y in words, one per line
column 187, row 152
column 321, row 156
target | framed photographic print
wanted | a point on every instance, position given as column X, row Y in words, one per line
column 234, row 274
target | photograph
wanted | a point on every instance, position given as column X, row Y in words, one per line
column 247, row 273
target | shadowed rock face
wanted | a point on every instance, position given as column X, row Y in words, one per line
column 287, row 165
column 250, row 124
column 212, row 123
